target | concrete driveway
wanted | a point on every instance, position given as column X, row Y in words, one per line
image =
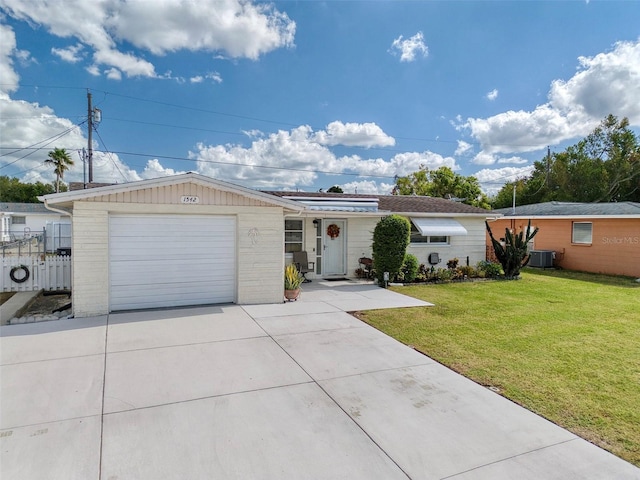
column 293, row 391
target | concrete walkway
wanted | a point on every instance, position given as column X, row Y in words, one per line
column 299, row 390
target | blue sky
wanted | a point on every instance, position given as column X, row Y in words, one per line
column 305, row 95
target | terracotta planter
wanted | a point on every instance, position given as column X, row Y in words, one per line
column 292, row 295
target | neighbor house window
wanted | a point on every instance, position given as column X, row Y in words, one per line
column 19, row 220
column 417, row 237
column 293, row 235
column 582, row 232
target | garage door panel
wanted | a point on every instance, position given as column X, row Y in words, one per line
column 171, row 260
column 152, row 254
column 172, row 290
column 155, row 278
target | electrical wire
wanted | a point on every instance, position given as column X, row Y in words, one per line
column 110, row 156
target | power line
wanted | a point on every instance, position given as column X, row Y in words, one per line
column 264, row 120
column 111, row 157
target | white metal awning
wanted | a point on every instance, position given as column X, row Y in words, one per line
column 439, row 227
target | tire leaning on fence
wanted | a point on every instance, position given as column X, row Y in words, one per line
column 17, row 268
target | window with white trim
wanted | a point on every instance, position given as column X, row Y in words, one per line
column 18, row 220
column 293, row 235
column 417, row 237
column 582, row 233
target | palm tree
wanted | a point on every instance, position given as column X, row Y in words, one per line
column 61, row 161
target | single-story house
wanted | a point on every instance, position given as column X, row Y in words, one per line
column 190, row 239
column 20, row 221
column 588, row 237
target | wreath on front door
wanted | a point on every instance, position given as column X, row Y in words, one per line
column 333, row 231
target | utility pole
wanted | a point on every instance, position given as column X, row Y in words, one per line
column 90, row 136
column 548, row 166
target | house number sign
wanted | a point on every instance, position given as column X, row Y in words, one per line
column 189, row 199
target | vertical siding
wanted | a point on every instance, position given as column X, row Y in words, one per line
column 360, row 240
column 90, row 256
column 261, row 256
column 615, row 247
column 171, row 194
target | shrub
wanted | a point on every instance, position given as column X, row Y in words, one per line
column 390, row 241
column 410, row 268
column 453, row 264
column 514, row 253
column 442, row 275
column 489, row 269
column 468, row 271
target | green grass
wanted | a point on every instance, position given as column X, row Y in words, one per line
column 565, row 345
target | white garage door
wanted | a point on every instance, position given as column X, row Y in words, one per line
column 171, row 260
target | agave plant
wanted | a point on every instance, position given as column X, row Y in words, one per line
column 292, row 277
column 514, row 254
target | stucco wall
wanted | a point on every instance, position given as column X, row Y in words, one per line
column 615, row 247
column 260, row 260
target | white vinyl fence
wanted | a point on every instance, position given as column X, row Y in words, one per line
column 27, row 274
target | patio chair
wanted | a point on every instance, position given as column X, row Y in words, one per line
column 302, row 263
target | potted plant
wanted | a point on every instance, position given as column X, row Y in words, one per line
column 292, row 281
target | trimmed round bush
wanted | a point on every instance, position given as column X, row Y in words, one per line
column 410, row 268
column 390, row 241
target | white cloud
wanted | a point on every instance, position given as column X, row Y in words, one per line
column 409, row 48
column 154, row 169
column 236, row 28
column 606, row 83
column 368, row 186
column 215, row 76
column 113, row 74
column 463, row 148
column 93, row 70
column 354, row 135
column 7, row 51
column 484, row 158
column 492, row 95
column 70, row 54
column 513, row 160
column 493, row 179
column 295, row 159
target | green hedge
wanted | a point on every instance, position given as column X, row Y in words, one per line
column 390, row 240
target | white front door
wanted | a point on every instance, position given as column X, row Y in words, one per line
column 335, row 252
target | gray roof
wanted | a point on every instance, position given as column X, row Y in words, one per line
column 12, row 207
column 398, row 203
column 572, row 209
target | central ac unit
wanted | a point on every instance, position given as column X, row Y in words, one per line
column 541, row 258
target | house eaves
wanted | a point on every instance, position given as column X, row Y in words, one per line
column 65, row 200
column 405, row 205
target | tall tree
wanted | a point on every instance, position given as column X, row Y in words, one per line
column 61, row 161
column 444, row 183
column 603, row 167
column 12, row 190
column 335, row 189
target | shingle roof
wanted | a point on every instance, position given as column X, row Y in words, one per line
column 12, row 207
column 397, row 203
column 572, row 209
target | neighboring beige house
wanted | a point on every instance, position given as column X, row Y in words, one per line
column 192, row 240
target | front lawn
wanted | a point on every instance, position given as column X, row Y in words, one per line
column 564, row 345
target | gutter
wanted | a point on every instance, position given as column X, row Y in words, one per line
column 53, row 209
